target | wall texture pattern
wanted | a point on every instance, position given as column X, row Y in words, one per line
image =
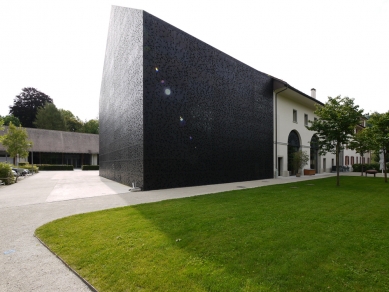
column 177, row 112
column 121, row 99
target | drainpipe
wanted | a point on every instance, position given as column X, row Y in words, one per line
column 276, row 127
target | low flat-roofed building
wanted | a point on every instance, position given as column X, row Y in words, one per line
column 58, row 147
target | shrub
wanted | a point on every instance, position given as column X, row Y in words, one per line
column 6, row 173
column 26, row 165
column 90, row 167
column 31, row 169
column 357, row 167
column 55, row 167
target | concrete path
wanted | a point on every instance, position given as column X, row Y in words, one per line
column 25, row 264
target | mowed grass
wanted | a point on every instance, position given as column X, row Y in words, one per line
column 291, row 237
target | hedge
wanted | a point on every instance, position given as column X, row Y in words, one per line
column 55, row 167
column 90, row 167
column 26, row 165
column 376, row 166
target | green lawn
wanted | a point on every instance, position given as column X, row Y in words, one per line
column 291, row 237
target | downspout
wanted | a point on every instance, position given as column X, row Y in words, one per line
column 276, row 130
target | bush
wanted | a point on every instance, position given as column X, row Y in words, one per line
column 90, row 167
column 55, row 167
column 6, row 172
column 26, row 165
column 357, row 167
column 31, row 169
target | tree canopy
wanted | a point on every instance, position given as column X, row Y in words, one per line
column 72, row 123
column 10, row 118
column 91, row 126
column 15, row 141
column 362, row 142
column 335, row 125
column 26, row 105
column 380, row 132
column 49, row 117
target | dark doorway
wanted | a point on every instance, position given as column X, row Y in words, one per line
column 314, row 154
column 293, row 146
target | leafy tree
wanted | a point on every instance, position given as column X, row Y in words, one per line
column 380, row 132
column 15, row 141
column 50, row 118
column 91, row 126
column 10, row 118
column 300, row 159
column 26, row 105
column 335, row 125
column 362, row 142
column 72, row 123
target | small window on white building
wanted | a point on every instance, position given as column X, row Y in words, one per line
column 294, row 116
column 306, row 119
column 315, row 119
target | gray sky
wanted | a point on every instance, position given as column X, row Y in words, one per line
column 338, row 47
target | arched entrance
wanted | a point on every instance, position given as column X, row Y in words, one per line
column 293, row 146
column 314, row 157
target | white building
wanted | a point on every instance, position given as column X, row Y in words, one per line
column 293, row 110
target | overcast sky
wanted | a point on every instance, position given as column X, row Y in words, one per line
column 338, row 47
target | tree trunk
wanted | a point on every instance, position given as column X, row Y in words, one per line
column 337, row 164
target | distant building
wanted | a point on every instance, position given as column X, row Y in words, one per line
column 59, row 147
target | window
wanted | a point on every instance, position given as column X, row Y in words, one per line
column 306, row 119
column 357, row 159
column 346, row 162
column 294, row 116
column 352, row 160
column 315, row 119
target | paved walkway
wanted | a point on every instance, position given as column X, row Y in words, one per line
column 25, row 264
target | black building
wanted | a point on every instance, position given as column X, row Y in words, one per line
column 176, row 112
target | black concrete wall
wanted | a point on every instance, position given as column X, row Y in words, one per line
column 177, row 112
column 208, row 118
column 121, row 99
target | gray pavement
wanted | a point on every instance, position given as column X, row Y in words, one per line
column 25, row 264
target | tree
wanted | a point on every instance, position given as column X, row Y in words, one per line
column 26, row 105
column 15, row 141
column 300, row 159
column 49, row 118
column 91, row 126
column 380, row 132
column 72, row 123
column 362, row 143
column 10, row 118
column 335, row 125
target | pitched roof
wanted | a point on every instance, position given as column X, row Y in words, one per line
column 60, row 141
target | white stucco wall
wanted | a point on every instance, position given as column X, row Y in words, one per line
column 285, row 124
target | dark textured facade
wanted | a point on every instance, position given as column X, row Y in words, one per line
column 177, row 112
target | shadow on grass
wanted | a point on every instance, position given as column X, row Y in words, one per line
column 301, row 236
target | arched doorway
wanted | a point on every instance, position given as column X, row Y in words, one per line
column 293, row 146
column 314, row 156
